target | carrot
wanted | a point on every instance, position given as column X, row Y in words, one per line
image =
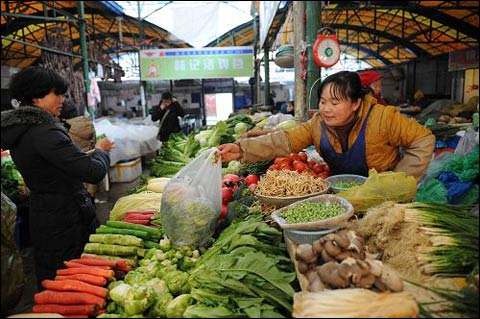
column 137, row 216
column 74, row 285
column 86, row 310
column 95, row 262
column 67, row 298
column 123, row 265
column 86, row 270
column 89, row 279
column 72, row 264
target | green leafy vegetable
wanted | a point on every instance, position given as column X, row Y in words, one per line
column 178, row 305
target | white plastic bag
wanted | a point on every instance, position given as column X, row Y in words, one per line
column 192, row 201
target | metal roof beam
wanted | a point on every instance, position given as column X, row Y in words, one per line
column 432, row 13
column 407, row 44
column 369, row 52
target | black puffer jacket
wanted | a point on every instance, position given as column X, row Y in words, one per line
column 62, row 213
column 170, row 124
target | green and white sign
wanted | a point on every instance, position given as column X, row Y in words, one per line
column 204, row 63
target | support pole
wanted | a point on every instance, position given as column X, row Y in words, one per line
column 313, row 71
column 142, row 84
column 298, row 37
column 202, row 104
column 266, row 62
column 83, row 47
column 255, row 65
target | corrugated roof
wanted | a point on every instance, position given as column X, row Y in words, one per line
column 102, row 29
column 388, row 32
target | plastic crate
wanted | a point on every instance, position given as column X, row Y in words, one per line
column 126, row 172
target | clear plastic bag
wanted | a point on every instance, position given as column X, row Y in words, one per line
column 192, row 201
column 13, row 280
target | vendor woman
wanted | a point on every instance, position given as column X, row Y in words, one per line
column 351, row 132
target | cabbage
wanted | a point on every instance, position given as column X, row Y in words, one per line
column 287, row 125
column 241, row 128
column 232, row 168
column 177, row 306
column 159, row 309
column 119, row 293
column 177, row 282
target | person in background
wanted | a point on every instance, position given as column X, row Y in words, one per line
column 62, row 213
column 420, row 100
column 288, row 108
column 351, row 131
column 69, row 110
column 167, row 112
column 372, row 81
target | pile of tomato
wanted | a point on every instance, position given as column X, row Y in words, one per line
column 299, row 162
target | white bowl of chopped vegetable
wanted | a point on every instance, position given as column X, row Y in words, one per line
column 315, row 213
column 339, row 183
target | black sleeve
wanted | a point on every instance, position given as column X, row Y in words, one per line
column 57, row 148
column 179, row 110
column 157, row 113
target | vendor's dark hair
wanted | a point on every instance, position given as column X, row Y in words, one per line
column 345, row 85
column 36, row 82
column 167, row 96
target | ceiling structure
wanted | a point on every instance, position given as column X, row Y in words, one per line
column 26, row 24
column 385, row 32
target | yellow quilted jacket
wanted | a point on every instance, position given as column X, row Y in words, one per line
column 387, row 131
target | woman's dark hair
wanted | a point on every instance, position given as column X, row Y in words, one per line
column 167, row 96
column 346, row 85
column 34, row 83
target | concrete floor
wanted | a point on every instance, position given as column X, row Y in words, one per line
column 104, row 202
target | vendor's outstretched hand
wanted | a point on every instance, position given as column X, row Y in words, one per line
column 230, row 152
column 105, row 144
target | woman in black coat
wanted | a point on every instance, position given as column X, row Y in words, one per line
column 62, row 213
column 167, row 111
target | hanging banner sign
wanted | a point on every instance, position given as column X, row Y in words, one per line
column 267, row 11
column 203, row 63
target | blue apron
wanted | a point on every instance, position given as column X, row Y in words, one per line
column 353, row 161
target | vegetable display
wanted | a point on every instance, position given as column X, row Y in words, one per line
column 289, row 183
column 144, row 201
column 454, row 229
column 339, row 260
column 310, row 212
column 299, row 163
column 80, row 289
column 354, row 303
column 245, row 272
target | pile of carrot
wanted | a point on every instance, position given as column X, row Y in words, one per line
column 139, row 217
column 79, row 289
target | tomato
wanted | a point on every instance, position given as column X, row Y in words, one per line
column 224, row 211
column 227, row 194
column 274, row 167
column 280, row 160
column 294, row 157
column 311, row 163
column 285, row 166
column 317, row 168
column 299, row 166
column 323, row 175
column 303, row 156
column 230, row 179
column 251, row 179
column 252, row 187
